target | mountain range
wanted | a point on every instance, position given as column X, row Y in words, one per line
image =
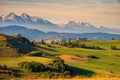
column 24, row 18
column 34, row 34
column 39, row 23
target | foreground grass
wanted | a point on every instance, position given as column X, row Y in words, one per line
column 13, row 61
column 99, row 78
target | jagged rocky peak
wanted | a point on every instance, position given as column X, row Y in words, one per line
column 38, row 19
column 11, row 15
column 85, row 23
column 35, row 18
column 72, row 23
column 24, row 15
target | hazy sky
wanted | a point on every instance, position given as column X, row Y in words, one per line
column 96, row 12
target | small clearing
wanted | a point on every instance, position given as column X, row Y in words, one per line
column 70, row 58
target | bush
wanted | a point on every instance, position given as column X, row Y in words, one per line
column 35, row 53
column 18, row 36
column 15, row 74
column 4, row 66
column 46, row 75
column 57, row 65
column 113, row 47
column 32, row 66
column 52, row 75
column 48, row 45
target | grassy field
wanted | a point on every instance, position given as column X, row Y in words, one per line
column 106, row 44
column 75, row 79
column 13, row 61
column 108, row 64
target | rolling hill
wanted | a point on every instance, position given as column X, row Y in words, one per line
column 14, row 45
column 13, row 30
column 92, row 63
column 107, row 61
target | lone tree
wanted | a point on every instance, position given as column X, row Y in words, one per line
column 79, row 38
column 57, row 65
column 18, row 35
column 42, row 41
column 113, row 38
column 113, row 47
column 70, row 41
column 63, row 42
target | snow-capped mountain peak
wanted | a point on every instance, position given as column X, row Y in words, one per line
column 72, row 23
column 25, row 16
column 78, row 24
column 36, row 19
column 47, row 26
column 40, row 20
column 10, row 16
column 85, row 24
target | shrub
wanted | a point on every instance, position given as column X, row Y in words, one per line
column 113, row 47
column 57, row 65
column 53, row 75
column 35, row 53
column 1, row 67
column 48, row 45
column 32, row 66
column 18, row 36
column 15, row 74
column 46, row 75
column 4, row 66
column 67, row 74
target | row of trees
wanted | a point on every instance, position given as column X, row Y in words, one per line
column 75, row 43
column 72, row 43
column 64, row 40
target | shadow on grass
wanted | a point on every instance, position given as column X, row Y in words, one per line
column 49, row 49
column 82, row 72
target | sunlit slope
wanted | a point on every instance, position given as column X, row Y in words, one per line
column 108, row 62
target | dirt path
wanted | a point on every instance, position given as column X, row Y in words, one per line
column 70, row 58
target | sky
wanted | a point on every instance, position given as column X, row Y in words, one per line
column 97, row 12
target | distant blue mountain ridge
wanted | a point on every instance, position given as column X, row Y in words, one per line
column 34, row 34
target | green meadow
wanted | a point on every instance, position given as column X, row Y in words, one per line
column 13, row 61
column 108, row 62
